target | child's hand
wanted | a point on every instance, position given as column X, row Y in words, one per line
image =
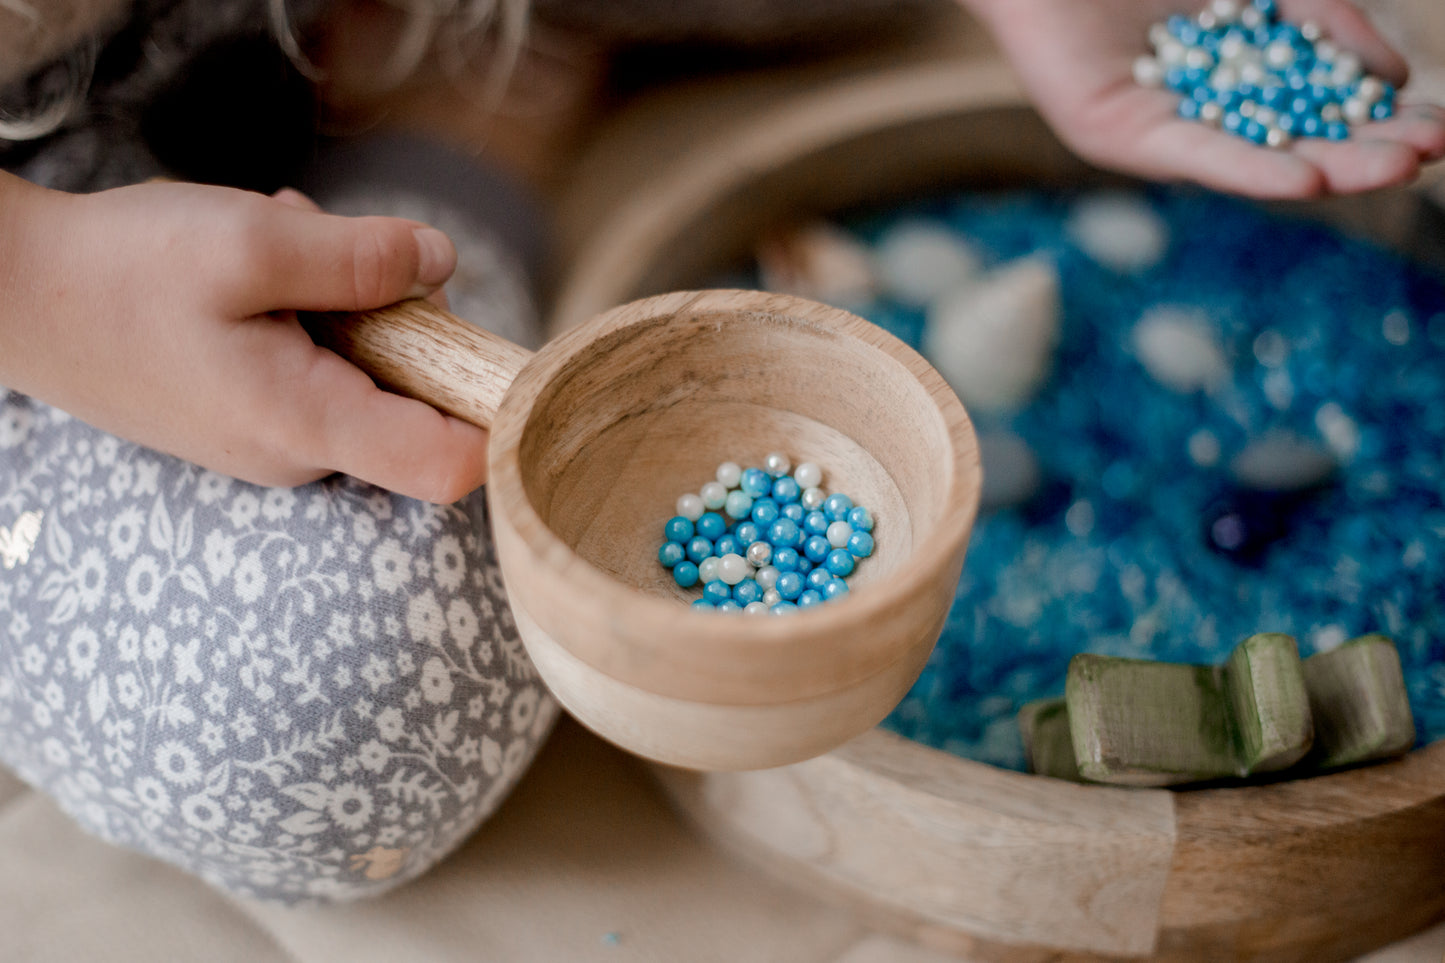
column 165, row 313
column 1075, row 57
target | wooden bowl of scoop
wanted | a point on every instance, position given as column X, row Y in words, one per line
column 967, row 857
column 595, row 437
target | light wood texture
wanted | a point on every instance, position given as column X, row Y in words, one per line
column 602, row 430
column 996, row 864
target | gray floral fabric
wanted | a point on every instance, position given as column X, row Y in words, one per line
column 298, row 694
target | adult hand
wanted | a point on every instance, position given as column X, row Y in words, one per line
column 165, row 313
column 1075, row 59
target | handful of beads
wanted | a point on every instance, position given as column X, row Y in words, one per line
column 763, row 540
column 1239, row 67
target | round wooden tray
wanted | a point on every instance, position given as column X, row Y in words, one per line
column 962, row 855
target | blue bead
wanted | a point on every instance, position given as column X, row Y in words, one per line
column 1275, row 97
column 786, row 559
column 684, row 573
column 860, row 544
column 1194, row 78
column 756, row 482
column 804, row 566
column 835, row 588
column 1381, row 111
column 1322, row 94
column 729, row 605
column 747, row 591
column 748, row 532
column 1177, row 22
column 711, row 525
column 815, row 523
column 836, row 506
column 1252, row 130
column 1204, row 94
column 1174, row 79
column 816, row 548
column 1296, row 78
column 765, row 511
column 678, row 529
column 1311, row 125
column 703, row 604
column 790, row 585
column 1268, row 8
column 786, row 489
column 671, row 553
column 698, row 549
column 739, row 504
column 785, row 533
column 810, row 598
column 818, row 578
column 717, row 591
column 793, row 512
column 1301, row 106
column 1233, row 121
column 783, row 608
column 728, row 545
column 1249, row 91
column 840, row 562
column 1288, row 123
column 1188, row 109
column 1338, row 130
column 860, row 519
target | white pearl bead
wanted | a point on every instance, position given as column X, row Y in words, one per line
column 733, row 568
column 1356, row 111
column 1171, row 53
column 777, row 464
column 690, row 507
column 1211, row 113
column 1224, row 77
column 1225, row 10
column 1252, row 74
column 1148, row 72
column 1250, row 17
column 838, row 533
column 1331, row 113
column 760, row 554
column 1230, row 48
column 707, row 569
column 1278, row 139
column 808, row 475
column 1371, row 89
column 772, row 597
column 767, row 577
column 1346, row 69
column 714, row 495
column 729, row 473
column 1206, row 20
column 1311, row 31
column 755, row 608
column 1159, row 35
column 1247, row 109
column 1279, row 54
column 1265, row 115
column 812, row 498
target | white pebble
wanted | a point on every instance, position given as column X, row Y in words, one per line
column 812, row 498
column 1178, row 347
column 820, row 261
column 918, row 260
column 1011, row 472
column 777, row 464
column 714, row 495
column 808, row 475
column 707, row 569
column 838, row 533
column 1120, row 230
column 1204, row 448
column 733, row 568
column 729, row 473
column 767, row 577
column 755, row 608
column 1079, row 519
column 690, row 507
column 994, row 342
column 1340, row 431
column 1148, row 72
column 1283, row 462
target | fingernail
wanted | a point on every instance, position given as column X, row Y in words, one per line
column 438, row 256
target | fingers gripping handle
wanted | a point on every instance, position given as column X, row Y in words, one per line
column 417, row 349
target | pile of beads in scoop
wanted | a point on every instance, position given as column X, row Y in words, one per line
column 1243, row 69
column 762, row 540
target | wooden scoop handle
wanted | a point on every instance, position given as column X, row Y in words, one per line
column 415, row 348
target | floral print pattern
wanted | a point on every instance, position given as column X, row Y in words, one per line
column 298, row 694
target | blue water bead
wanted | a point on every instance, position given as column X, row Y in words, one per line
column 704, row 604
column 815, row 523
column 739, row 504
column 765, row 511
column 671, row 553
column 717, row 591
column 793, row 511
column 810, row 598
column 729, row 544
column 786, row 559
column 836, row 588
column 785, row 533
column 790, row 585
column 786, row 489
column 698, row 549
column 816, row 548
column 836, row 506
column 860, row 544
column 840, row 562
column 728, row 605
column 712, row 526
column 747, row 591
column 684, row 573
column 860, row 519
column 818, row 578
column 756, row 482
column 748, row 532
column 678, row 529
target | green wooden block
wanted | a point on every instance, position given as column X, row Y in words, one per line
column 1359, row 703
column 1143, row 723
column 1048, row 744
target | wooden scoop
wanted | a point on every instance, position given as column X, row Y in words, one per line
column 595, row 436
